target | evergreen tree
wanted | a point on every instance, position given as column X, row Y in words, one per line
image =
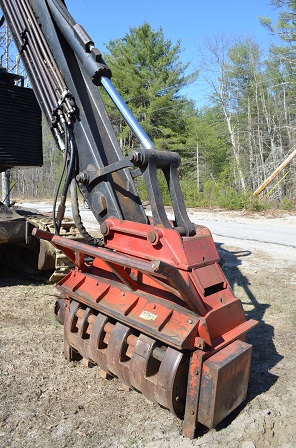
column 149, row 75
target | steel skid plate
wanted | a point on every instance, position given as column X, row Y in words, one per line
column 224, row 383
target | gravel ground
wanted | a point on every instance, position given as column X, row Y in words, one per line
column 47, row 402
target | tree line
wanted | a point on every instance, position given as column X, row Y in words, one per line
column 229, row 146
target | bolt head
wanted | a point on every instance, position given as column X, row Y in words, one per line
column 104, row 228
column 152, row 236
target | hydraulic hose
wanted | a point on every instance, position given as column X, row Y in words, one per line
column 55, row 223
column 77, row 218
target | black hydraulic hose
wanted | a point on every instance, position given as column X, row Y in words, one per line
column 38, row 56
column 77, row 218
column 71, row 164
column 55, row 77
column 70, row 181
column 55, row 223
column 40, row 40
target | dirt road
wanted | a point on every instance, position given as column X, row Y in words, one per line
column 48, row 402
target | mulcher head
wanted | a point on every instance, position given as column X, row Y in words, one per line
column 155, row 310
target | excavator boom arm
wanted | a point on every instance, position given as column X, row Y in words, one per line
column 65, row 69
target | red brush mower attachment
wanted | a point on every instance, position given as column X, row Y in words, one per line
column 154, row 309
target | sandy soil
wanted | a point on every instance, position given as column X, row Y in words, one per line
column 47, row 402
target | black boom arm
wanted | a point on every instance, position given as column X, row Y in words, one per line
column 65, row 69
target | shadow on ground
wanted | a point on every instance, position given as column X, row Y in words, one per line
column 265, row 355
column 12, row 276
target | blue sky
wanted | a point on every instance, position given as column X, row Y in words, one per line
column 188, row 20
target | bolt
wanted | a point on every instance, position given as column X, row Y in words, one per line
column 153, row 237
column 199, row 343
column 137, row 157
column 83, row 178
column 190, row 321
column 104, row 228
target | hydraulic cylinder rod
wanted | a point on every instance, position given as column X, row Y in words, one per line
column 126, row 113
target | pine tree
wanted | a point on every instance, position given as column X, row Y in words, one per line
column 149, row 75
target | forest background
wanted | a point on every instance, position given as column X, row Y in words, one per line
column 228, row 147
